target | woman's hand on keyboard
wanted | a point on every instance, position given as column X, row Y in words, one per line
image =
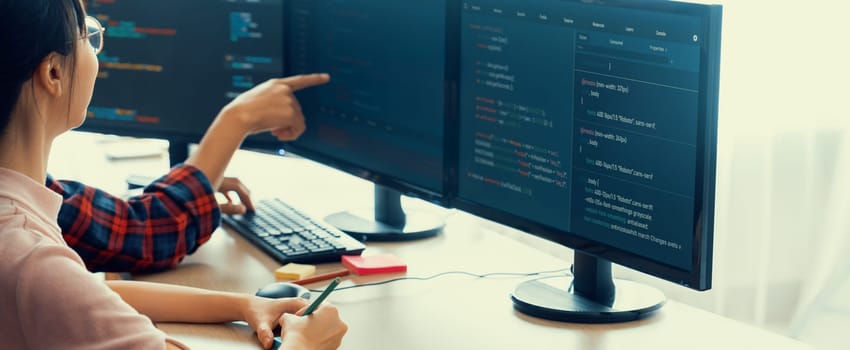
column 237, row 197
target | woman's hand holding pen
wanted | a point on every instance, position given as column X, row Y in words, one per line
column 321, row 330
column 264, row 315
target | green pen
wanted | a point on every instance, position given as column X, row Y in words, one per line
column 315, row 304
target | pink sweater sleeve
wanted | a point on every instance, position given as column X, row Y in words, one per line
column 63, row 306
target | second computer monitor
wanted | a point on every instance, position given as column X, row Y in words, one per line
column 593, row 124
column 382, row 116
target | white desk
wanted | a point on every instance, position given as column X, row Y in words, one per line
column 451, row 312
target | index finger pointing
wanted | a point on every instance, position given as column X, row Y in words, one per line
column 300, row 82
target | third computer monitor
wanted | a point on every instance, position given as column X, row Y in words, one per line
column 593, row 124
column 382, row 116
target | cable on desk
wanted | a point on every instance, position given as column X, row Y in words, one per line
column 441, row 274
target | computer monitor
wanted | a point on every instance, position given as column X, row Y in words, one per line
column 593, row 124
column 382, row 116
column 168, row 67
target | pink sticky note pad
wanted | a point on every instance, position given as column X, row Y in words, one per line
column 367, row 265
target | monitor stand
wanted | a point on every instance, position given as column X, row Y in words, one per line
column 178, row 151
column 590, row 296
column 389, row 222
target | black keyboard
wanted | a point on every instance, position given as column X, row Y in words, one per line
column 291, row 236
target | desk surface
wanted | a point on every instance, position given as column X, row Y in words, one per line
column 450, row 312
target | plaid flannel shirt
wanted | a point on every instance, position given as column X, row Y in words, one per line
column 150, row 232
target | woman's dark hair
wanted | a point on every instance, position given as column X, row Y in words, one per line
column 30, row 30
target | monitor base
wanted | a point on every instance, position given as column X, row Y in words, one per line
column 553, row 298
column 364, row 228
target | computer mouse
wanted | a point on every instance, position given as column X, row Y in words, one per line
column 283, row 290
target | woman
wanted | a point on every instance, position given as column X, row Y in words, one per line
column 48, row 66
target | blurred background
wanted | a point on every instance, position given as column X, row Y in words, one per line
column 783, row 172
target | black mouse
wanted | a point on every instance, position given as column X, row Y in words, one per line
column 283, row 290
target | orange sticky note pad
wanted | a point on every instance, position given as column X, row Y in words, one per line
column 293, row 271
column 367, row 265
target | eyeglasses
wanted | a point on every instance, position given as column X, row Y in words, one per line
column 94, row 34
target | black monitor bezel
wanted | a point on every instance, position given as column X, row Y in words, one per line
column 699, row 277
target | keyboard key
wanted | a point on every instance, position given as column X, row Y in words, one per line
column 322, row 250
column 299, row 252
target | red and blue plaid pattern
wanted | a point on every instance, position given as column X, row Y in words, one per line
column 150, row 232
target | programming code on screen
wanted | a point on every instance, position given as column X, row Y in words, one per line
column 384, row 107
column 584, row 120
column 169, row 66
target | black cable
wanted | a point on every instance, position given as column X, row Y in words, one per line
column 486, row 275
